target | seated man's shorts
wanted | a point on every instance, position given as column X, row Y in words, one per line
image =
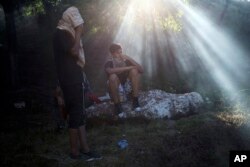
column 123, row 77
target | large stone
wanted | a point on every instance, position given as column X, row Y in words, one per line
column 154, row 104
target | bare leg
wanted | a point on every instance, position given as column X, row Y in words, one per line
column 134, row 78
column 73, row 139
column 113, row 88
column 83, row 139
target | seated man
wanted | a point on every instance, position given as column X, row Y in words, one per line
column 120, row 68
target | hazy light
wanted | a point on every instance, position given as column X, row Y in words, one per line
column 216, row 49
column 242, row 0
column 132, row 35
column 142, row 38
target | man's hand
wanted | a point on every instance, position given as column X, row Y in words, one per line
column 125, row 57
column 119, row 70
column 133, row 62
column 78, row 34
column 75, row 51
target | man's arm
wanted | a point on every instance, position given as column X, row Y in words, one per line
column 118, row 70
column 78, row 34
column 134, row 63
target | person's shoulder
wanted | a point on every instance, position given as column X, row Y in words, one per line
column 108, row 59
column 126, row 57
column 108, row 62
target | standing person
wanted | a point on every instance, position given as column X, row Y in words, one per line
column 69, row 57
column 120, row 68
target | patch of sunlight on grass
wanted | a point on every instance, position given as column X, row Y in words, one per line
column 234, row 118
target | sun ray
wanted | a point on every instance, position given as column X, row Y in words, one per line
column 199, row 43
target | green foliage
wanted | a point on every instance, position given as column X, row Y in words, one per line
column 102, row 16
column 189, row 1
column 37, row 7
column 172, row 20
column 95, row 30
column 171, row 23
column 34, row 8
column 53, row 2
column 186, row 1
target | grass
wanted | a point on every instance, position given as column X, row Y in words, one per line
column 201, row 140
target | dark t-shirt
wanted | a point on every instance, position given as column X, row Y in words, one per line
column 67, row 69
column 123, row 75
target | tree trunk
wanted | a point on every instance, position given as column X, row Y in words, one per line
column 12, row 44
column 222, row 15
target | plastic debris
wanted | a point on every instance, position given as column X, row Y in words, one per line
column 122, row 115
column 122, row 144
column 20, row 105
column 104, row 98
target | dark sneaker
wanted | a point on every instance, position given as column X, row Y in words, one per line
column 118, row 108
column 136, row 106
column 91, row 156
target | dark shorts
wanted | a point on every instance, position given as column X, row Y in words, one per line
column 123, row 77
column 74, row 104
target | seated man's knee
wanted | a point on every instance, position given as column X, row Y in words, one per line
column 113, row 78
column 134, row 72
column 113, row 81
